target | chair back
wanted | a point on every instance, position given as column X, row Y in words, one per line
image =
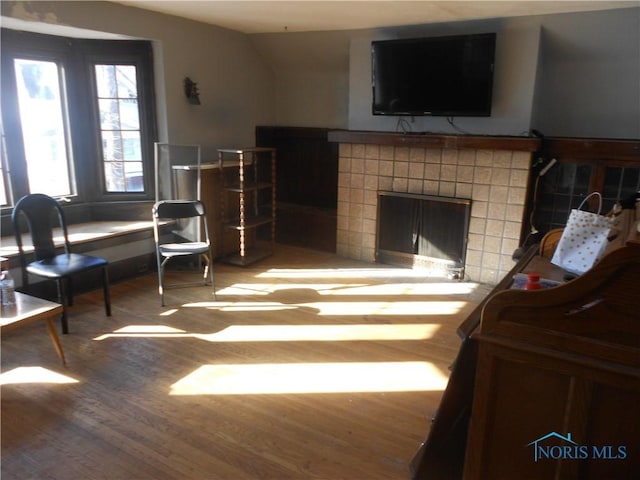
column 189, row 215
column 177, row 171
column 42, row 214
column 175, row 209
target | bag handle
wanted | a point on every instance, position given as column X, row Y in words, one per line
column 588, row 197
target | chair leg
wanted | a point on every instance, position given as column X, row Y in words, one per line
column 209, row 267
column 160, row 264
column 62, row 300
column 105, row 291
column 69, row 291
column 161, row 279
column 63, row 320
column 205, row 273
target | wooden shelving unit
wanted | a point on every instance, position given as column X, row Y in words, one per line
column 248, row 203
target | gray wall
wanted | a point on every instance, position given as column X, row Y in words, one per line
column 565, row 75
column 312, row 76
column 573, row 74
column 514, row 79
column 590, row 75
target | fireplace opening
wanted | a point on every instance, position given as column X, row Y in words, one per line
column 423, row 231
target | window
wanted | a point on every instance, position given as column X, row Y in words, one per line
column 120, row 127
column 44, row 126
column 78, row 118
column 4, row 185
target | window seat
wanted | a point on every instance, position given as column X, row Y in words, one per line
column 127, row 245
column 82, row 234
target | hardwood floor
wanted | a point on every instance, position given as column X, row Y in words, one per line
column 308, row 366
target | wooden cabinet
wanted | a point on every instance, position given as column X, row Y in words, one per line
column 558, row 379
column 247, row 204
column 547, row 382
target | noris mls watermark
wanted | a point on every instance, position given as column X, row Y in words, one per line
column 554, row 446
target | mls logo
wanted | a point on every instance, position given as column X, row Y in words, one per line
column 555, row 446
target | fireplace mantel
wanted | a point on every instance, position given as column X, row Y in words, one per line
column 434, row 140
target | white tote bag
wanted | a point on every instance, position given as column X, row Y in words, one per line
column 584, row 239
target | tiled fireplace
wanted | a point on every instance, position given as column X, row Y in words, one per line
column 494, row 179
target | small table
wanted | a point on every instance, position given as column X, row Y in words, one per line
column 30, row 309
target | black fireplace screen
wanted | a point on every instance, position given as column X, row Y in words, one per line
column 423, row 225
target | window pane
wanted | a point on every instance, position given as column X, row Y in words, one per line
column 43, row 126
column 111, row 145
column 133, row 176
column 620, row 183
column 120, row 127
column 4, row 186
column 106, row 81
column 562, row 189
column 131, row 146
column 129, row 114
column 109, row 115
column 114, row 176
column 3, row 193
column 126, row 81
column 3, row 190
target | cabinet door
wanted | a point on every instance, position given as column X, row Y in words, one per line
column 539, row 415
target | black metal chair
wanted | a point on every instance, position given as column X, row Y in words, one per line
column 43, row 214
column 189, row 219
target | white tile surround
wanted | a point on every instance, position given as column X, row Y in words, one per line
column 495, row 181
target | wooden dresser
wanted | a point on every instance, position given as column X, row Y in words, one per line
column 547, row 383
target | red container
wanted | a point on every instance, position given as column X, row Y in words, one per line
column 533, row 282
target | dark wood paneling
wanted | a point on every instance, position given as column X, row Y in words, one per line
column 306, row 185
column 306, row 166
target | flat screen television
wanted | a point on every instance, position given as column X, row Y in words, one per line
column 440, row 76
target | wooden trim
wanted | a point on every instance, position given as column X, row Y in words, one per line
column 593, row 149
column 625, row 150
column 264, row 133
column 481, row 142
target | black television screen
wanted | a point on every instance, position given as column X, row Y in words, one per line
column 439, row 76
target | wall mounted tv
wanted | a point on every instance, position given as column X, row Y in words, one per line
column 440, row 76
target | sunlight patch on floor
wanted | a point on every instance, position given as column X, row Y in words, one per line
column 268, row 288
column 242, row 306
column 359, row 273
column 301, row 378
column 459, row 288
column 145, row 331
column 149, row 329
column 386, row 308
column 352, row 289
column 33, row 375
column 286, row 333
column 343, row 308
column 325, row 333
